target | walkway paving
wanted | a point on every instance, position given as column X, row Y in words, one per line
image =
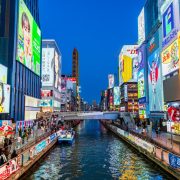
column 171, row 142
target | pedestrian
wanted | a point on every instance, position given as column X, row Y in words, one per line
column 156, row 131
column 3, row 158
column 14, row 154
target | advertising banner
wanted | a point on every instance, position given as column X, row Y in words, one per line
column 31, row 101
column 111, row 80
column 48, row 66
column 3, row 74
column 127, row 65
column 174, row 161
column 46, row 93
column 46, row 103
column 170, row 21
column 4, row 98
column 173, row 127
column 5, row 123
column 141, row 84
column 153, row 44
column 20, row 125
column 52, row 137
column 145, row 145
column 141, row 27
column 10, row 168
column 116, row 96
column 155, row 82
column 57, row 71
column 170, row 59
column 142, row 74
column 125, row 93
column 63, row 83
column 29, row 40
column 40, row 146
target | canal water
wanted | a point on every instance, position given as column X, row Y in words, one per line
column 96, row 154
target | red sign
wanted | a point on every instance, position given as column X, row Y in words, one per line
column 46, row 93
column 132, row 51
column 73, row 79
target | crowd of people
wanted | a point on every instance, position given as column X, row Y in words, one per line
column 11, row 144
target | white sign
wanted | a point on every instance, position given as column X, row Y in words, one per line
column 31, row 101
column 141, row 27
column 3, row 74
column 111, row 80
column 4, row 98
column 48, row 66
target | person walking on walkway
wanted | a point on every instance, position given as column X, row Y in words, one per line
column 3, row 158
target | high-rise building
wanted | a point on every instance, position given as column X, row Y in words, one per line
column 75, row 74
column 75, row 65
column 20, row 52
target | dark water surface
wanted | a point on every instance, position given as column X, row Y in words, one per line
column 96, row 154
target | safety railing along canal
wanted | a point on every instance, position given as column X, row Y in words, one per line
column 29, row 154
column 164, row 156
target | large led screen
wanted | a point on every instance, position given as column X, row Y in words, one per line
column 155, row 82
column 29, row 40
column 116, row 96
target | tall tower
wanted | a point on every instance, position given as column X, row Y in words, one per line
column 75, row 74
column 75, row 66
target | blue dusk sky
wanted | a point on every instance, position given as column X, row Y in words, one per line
column 98, row 29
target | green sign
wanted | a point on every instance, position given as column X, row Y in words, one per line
column 29, row 40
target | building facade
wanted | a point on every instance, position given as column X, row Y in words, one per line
column 22, row 56
column 51, row 77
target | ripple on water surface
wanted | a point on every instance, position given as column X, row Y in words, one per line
column 96, row 154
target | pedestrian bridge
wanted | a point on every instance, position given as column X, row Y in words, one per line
column 88, row 115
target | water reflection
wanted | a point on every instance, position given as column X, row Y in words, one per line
column 96, row 154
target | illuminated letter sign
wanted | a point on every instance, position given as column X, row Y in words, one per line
column 168, row 20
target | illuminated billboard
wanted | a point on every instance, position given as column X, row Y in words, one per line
column 63, row 83
column 128, row 64
column 29, row 40
column 170, row 58
column 126, row 68
column 47, row 66
column 116, row 96
column 4, row 98
column 170, row 21
column 141, row 84
column 155, row 82
column 141, row 27
column 46, row 103
column 3, row 74
column 111, row 80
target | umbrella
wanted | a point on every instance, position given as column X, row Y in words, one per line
column 6, row 128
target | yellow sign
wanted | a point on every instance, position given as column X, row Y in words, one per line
column 126, row 68
column 170, row 58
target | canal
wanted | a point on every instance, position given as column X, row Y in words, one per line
column 96, row 154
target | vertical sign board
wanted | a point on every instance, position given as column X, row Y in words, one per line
column 111, row 80
column 128, row 59
column 47, row 66
column 141, row 27
column 170, row 21
column 155, row 75
column 116, row 96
